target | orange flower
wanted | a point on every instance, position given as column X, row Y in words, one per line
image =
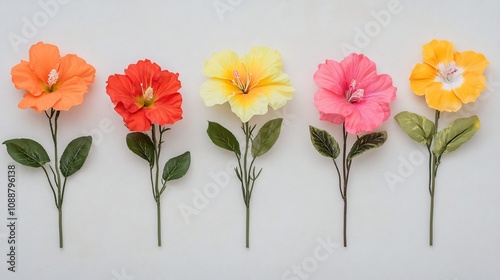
column 146, row 95
column 52, row 81
column 448, row 78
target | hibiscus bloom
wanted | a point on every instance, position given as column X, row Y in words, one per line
column 448, row 79
column 52, row 81
column 351, row 92
column 146, row 95
column 250, row 83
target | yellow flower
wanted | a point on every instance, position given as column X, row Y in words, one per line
column 250, row 83
column 448, row 79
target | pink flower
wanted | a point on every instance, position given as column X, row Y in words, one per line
column 352, row 92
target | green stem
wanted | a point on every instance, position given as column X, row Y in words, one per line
column 345, row 173
column 433, row 189
column 248, row 227
column 430, row 167
column 245, row 156
column 154, row 184
column 50, row 184
column 246, row 178
column 340, row 180
column 158, row 216
column 60, row 227
column 53, row 117
column 435, row 163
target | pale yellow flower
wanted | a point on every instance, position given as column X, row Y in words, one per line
column 250, row 83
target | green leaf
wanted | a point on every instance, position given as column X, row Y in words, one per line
column 367, row 142
column 456, row 134
column 27, row 152
column 266, row 137
column 140, row 144
column 74, row 155
column 418, row 127
column 324, row 143
column 222, row 137
column 176, row 167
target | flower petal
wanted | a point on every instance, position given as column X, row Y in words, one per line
column 168, row 83
column 136, row 121
column 278, row 91
column 245, row 106
column 264, row 64
column 471, row 87
column 40, row 103
column 71, row 92
column 217, row 91
column 441, row 99
column 422, row 76
column 471, row 62
column 328, row 102
column 74, row 66
column 333, row 118
column 330, row 75
column 143, row 72
column 221, row 65
column 166, row 110
column 380, row 89
column 359, row 68
column 436, row 52
column 24, row 78
column 366, row 116
column 121, row 90
column 43, row 58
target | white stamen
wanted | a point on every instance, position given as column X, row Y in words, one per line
column 357, row 95
column 354, row 95
column 450, row 75
column 148, row 94
column 53, row 76
column 448, row 71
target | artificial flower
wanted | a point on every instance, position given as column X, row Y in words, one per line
column 146, row 95
column 148, row 98
column 352, row 92
column 448, row 78
column 52, row 84
column 52, row 81
column 250, row 83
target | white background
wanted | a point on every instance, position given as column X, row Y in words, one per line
column 109, row 212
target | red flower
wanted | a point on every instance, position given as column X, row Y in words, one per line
column 146, row 95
